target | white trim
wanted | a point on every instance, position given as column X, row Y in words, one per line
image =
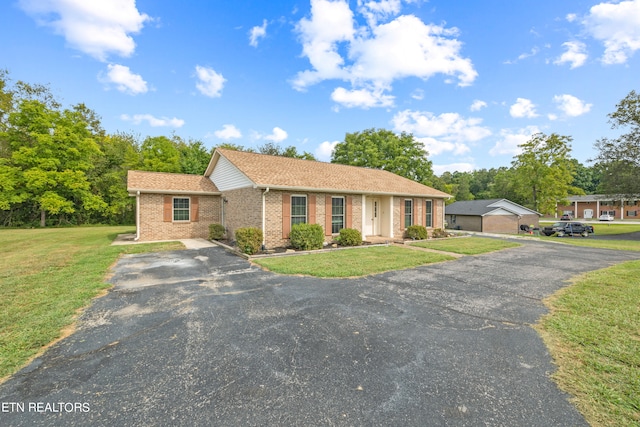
column 344, row 212
column 306, row 208
column 134, row 191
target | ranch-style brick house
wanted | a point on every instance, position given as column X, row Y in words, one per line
column 242, row 189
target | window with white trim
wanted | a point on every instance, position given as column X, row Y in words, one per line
column 428, row 209
column 298, row 209
column 408, row 213
column 181, row 208
column 337, row 214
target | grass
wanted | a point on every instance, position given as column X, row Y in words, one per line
column 467, row 245
column 593, row 333
column 352, row 262
column 46, row 277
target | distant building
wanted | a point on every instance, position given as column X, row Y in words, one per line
column 490, row 216
column 592, row 206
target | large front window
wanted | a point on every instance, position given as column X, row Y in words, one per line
column 337, row 214
column 408, row 213
column 298, row 209
column 429, row 213
column 181, row 209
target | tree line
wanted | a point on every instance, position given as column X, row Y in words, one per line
column 58, row 166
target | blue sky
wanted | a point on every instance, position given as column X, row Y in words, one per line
column 471, row 79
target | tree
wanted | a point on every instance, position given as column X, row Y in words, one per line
column 275, row 150
column 160, row 154
column 619, row 159
column 586, row 178
column 543, row 172
column 194, row 157
column 50, row 154
column 383, row 149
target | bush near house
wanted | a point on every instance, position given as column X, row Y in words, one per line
column 439, row 233
column 350, row 237
column 216, row 231
column 416, row 232
column 307, row 237
column 249, row 239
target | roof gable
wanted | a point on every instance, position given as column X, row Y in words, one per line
column 163, row 182
column 297, row 174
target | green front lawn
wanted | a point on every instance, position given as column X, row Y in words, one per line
column 46, row 277
column 593, row 333
column 466, row 245
column 351, row 262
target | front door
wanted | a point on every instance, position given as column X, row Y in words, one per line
column 374, row 215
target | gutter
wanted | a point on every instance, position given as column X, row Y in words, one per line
column 343, row 191
column 264, row 220
column 137, row 216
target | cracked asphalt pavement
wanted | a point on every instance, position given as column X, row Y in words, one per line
column 201, row 337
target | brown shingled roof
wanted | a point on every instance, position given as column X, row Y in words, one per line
column 285, row 172
column 162, row 182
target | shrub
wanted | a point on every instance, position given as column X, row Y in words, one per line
column 350, row 237
column 438, row 233
column 216, row 231
column 249, row 239
column 416, row 232
column 307, row 236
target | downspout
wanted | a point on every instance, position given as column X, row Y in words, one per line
column 137, row 216
column 264, row 221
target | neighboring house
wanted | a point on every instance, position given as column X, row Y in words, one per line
column 241, row 189
column 592, row 206
column 490, row 216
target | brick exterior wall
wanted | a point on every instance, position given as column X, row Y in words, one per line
column 505, row 224
column 419, row 206
column 153, row 226
column 243, row 208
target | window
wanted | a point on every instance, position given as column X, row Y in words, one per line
column 181, row 209
column 408, row 213
column 298, row 209
column 337, row 214
column 429, row 214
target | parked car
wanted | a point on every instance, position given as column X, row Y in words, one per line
column 572, row 228
column 566, row 217
column 606, row 217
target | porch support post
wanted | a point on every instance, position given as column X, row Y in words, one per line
column 391, row 217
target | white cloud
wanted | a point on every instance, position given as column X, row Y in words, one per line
column 371, row 57
column 575, row 54
column 478, row 105
column 571, row 106
column 228, row 132
column 617, row 25
column 377, row 10
column 136, row 119
column 418, row 94
column 325, row 150
column 209, row 83
column 509, row 141
column 257, row 33
column 124, row 80
column 362, row 98
column 448, row 132
column 571, row 17
column 534, row 51
column 277, row 135
column 452, row 167
column 97, row 28
column 523, row 108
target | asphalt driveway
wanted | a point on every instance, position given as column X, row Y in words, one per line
column 200, row 337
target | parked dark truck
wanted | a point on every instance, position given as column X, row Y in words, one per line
column 568, row 228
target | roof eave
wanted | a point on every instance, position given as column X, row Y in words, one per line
column 134, row 191
column 343, row 191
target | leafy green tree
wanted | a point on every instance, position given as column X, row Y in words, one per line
column 586, row 178
column 382, row 149
column 160, row 154
column 543, row 172
column 619, row 159
column 504, row 186
column 273, row 149
column 51, row 152
column 194, row 157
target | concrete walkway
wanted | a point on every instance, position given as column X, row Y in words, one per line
column 129, row 239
